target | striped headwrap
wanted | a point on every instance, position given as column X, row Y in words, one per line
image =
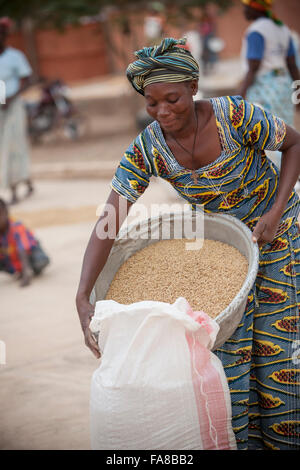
column 265, row 6
column 167, row 62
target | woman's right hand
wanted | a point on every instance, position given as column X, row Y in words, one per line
column 95, row 257
column 85, row 312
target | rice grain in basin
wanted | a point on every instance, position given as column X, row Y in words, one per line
column 209, row 278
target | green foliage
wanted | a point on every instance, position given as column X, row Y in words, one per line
column 58, row 13
column 54, row 12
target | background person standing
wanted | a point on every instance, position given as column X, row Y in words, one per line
column 269, row 57
column 207, row 29
column 270, row 63
column 15, row 72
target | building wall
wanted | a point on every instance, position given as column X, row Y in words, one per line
column 16, row 40
column 79, row 53
column 76, row 54
column 84, row 52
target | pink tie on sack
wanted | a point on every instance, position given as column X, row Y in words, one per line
column 209, row 328
column 214, row 411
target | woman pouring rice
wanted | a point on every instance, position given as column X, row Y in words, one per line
column 213, row 153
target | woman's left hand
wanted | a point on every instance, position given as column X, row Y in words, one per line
column 266, row 228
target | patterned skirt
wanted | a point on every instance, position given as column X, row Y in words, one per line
column 14, row 149
column 274, row 93
column 262, row 358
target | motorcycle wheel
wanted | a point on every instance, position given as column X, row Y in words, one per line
column 75, row 127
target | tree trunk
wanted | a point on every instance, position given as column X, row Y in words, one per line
column 28, row 30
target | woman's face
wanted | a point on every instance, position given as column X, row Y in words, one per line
column 171, row 104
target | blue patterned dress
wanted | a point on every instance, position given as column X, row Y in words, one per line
column 261, row 359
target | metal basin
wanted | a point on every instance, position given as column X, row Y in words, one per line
column 223, row 228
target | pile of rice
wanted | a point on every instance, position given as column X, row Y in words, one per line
column 209, row 278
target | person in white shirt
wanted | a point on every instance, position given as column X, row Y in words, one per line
column 15, row 74
column 270, row 64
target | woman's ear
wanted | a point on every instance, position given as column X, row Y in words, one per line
column 194, row 87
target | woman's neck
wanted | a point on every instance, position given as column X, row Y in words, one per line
column 259, row 15
column 195, row 121
column 190, row 126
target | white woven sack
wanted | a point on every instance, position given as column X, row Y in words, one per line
column 158, row 385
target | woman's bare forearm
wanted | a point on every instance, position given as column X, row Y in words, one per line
column 98, row 249
column 253, row 66
column 293, row 68
column 247, row 82
column 95, row 257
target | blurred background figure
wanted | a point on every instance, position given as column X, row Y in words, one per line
column 270, row 63
column 20, row 252
column 194, row 43
column 15, row 72
column 154, row 24
column 211, row 44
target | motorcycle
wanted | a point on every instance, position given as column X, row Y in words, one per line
column 54, row 111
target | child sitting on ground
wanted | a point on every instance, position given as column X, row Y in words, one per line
column 20, row 252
